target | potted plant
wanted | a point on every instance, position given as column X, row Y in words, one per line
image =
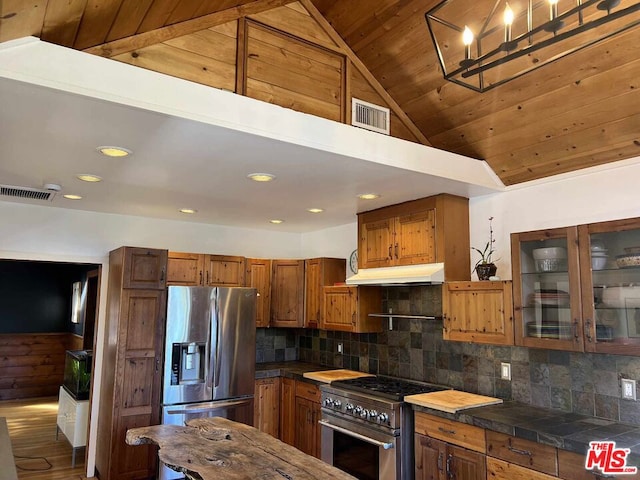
column 485, row 267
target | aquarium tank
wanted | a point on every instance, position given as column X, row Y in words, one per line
column 77, row 373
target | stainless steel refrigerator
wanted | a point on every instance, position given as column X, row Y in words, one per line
column 210, row 353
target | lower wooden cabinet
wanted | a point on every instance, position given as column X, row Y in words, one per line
column 446, row 449
column 440, row 460
column 307, row 436
column 500, row 470
column 266, row 417
column 533, row 455
column 288, row 411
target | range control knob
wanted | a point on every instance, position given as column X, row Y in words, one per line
column 373, row 414
column 337, row 404
column 383, row 418
column 348, row 407
column 357, row 410
column 364, row 413
column 328, row 402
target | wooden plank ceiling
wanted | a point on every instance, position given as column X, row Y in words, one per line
column 580, row 111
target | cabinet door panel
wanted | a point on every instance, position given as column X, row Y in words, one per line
column 133, row 462
column 375, row 245
column 259, row 277
column 287, row 293
column 224, row 271
column 340, row 304
column 288, row 411
column 266, row 414
column 430, row 458
column 186, row 269
column 415, row 240
column 144, row 268
column 313, row 292
column 464, row 464
column 479, row 312
column 501, row 470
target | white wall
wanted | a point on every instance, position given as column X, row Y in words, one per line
column 597, row 194
column 336, row 242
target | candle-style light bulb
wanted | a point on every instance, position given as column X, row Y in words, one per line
column 467, row 40
column 553, row 9
column 508, row 21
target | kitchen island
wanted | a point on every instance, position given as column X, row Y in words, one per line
column 214, row 448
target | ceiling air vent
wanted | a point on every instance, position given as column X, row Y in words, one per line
column 26, row 192
column 370, row 116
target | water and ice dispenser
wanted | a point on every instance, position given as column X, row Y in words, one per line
column 188, row 361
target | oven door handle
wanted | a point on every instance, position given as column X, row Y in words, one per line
column 364, row 438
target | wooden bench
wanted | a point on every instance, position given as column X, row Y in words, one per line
column 7, row 465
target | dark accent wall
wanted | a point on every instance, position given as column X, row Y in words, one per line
column 35, row 297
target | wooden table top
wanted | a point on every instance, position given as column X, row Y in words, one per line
column 215, row 448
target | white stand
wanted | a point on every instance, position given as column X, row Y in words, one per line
column 73, row 416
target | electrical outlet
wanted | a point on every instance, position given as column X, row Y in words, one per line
column 340, row 348
column 505, row 371
column 628, row 389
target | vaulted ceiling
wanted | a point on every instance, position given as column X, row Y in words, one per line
column 580, row 111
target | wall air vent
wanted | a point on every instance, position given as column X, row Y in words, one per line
column 26, row 192
column 370, row 116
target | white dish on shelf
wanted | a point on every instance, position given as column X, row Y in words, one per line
column 549, row 253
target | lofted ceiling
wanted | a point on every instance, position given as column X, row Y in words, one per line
column 580, row 111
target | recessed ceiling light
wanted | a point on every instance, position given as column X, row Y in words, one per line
column 276, row 221
column 315, row 210
column 261, row 177
column 87, row 177
column 72, row 197
column 110, row 151
column 187, row 210
column 368, row 196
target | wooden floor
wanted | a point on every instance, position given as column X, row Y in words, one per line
column 32, row 428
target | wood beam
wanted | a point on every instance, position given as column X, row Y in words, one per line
column 163, row 34
column 326, row 26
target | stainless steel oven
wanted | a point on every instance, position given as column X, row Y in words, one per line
column 366, row 428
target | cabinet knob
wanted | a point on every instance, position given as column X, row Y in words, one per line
column 396, row 250
column 390, row 255
column 587, row 326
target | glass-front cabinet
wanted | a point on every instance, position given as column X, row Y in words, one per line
column 578, row 288
column 610, row 262
column 546, row 300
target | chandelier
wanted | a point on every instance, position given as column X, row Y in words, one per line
column 485, row 43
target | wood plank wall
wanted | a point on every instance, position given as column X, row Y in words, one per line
column 32, row 365
column 282, row 56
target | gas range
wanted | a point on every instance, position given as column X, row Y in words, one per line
column 368, row 414
column 375, row 401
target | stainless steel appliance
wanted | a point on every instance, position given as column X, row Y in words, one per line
column 210, row 353
column 367, row 429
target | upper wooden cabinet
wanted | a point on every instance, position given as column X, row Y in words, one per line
column 224, row 271
column 479, row 312
column 320, row 272
column 287, row 293
column 144, row 268
column 185, row 269
column 258, row 276
column 429, row 230
column 574, row 287
column 347, row 308
column 197, row 269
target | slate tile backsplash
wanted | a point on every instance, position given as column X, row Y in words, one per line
column 583, row 383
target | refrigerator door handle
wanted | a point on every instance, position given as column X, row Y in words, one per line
column 209, row 406
column 218, row 336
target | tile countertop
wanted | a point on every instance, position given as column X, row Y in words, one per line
column 564, row 430
column 294, row 370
